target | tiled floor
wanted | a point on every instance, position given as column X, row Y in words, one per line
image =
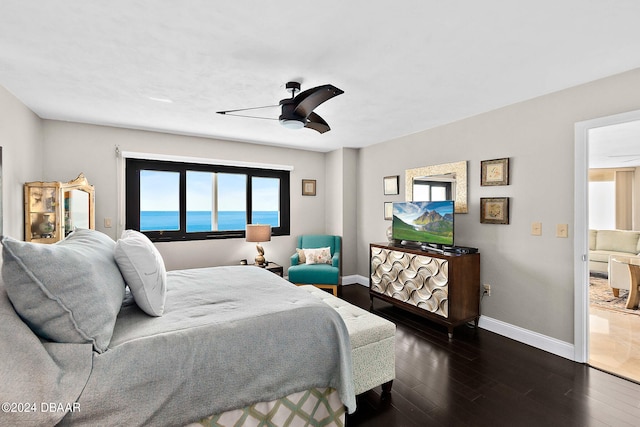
column 615, row 342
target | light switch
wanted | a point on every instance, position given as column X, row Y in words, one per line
column 107, row 223
column 562, row 230
column 536, row 229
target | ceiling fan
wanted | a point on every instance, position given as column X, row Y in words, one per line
column 297, row 111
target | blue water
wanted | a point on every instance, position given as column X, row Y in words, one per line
column 201, row 220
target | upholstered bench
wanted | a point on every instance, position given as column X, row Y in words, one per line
column 372, row 343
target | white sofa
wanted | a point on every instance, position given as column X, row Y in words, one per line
column 604, row 243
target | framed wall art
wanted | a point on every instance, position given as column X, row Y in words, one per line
column 494, row 210
column 308, row 187
column 494, row 172
column 391, row 185
column 388, row 210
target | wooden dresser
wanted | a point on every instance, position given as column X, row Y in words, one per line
column 444, row 288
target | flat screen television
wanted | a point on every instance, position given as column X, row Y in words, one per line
column 423, row 223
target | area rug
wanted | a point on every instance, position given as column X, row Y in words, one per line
column 601, row 296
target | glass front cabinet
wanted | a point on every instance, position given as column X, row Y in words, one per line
column 53, row 209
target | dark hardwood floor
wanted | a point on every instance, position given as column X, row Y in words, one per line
column 483, row 379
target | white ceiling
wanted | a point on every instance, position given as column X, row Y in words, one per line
column 405, row 65
column 615, row 146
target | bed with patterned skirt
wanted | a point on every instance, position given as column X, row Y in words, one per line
column 314, row 407
column 230, row 339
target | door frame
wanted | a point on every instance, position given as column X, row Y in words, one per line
column 581, row 227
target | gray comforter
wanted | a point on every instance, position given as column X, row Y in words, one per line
column 229, row 337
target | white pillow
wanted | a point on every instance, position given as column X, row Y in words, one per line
column 301, row 258
column 143, row 270
column 318, row 256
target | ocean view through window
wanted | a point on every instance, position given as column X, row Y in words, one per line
column 179, row 201
column 201, row 220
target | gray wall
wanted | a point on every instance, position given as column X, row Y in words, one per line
column 350, row 218
column 341, row 213
column 333, row 199
column 71, row 148
column 22, row 159
column 531, row 277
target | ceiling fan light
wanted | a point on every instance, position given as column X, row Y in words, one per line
column 288, row 118
column 292, row 123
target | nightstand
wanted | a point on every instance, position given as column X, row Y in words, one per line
column 274, row 268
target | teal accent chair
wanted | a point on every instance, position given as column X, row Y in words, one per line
column 324, row 276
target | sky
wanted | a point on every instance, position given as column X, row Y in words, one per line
column 408, row 211
column 159, row 191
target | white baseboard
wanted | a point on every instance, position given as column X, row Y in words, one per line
column 525, row 336
column 355, row 279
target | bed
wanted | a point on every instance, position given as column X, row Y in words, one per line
column 228, row 340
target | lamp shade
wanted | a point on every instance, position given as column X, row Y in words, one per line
column 258, row 232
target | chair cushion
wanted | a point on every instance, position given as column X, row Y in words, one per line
column 618, row 241
column 314, row 273
column 592, row 239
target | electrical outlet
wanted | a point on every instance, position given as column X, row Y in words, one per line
column 487, row 289
column 107, row 223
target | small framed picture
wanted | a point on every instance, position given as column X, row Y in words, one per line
column 388, row 210
column 308, row 187
column 391, row 185
column 494, row 210
column 494, row 172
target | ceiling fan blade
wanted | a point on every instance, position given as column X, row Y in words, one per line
column 227, row 113
column 308, row 100
column 316, row 123
column 246, row 109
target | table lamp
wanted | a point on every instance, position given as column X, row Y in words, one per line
column 259, row 233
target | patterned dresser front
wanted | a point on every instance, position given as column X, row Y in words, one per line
column 444, row 288
column 419, row 280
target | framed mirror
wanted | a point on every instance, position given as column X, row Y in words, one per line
column 438, row 182
column 79, row 204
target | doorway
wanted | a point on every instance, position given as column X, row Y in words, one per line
column 604, row 338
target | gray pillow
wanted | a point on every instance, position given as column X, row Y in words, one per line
column 68, row 292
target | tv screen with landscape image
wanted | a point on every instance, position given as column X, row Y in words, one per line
column 424, row 222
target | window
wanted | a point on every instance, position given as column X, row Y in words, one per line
column 189, row 201
column 431, row 191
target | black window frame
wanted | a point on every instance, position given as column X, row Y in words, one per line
column 133, row 167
